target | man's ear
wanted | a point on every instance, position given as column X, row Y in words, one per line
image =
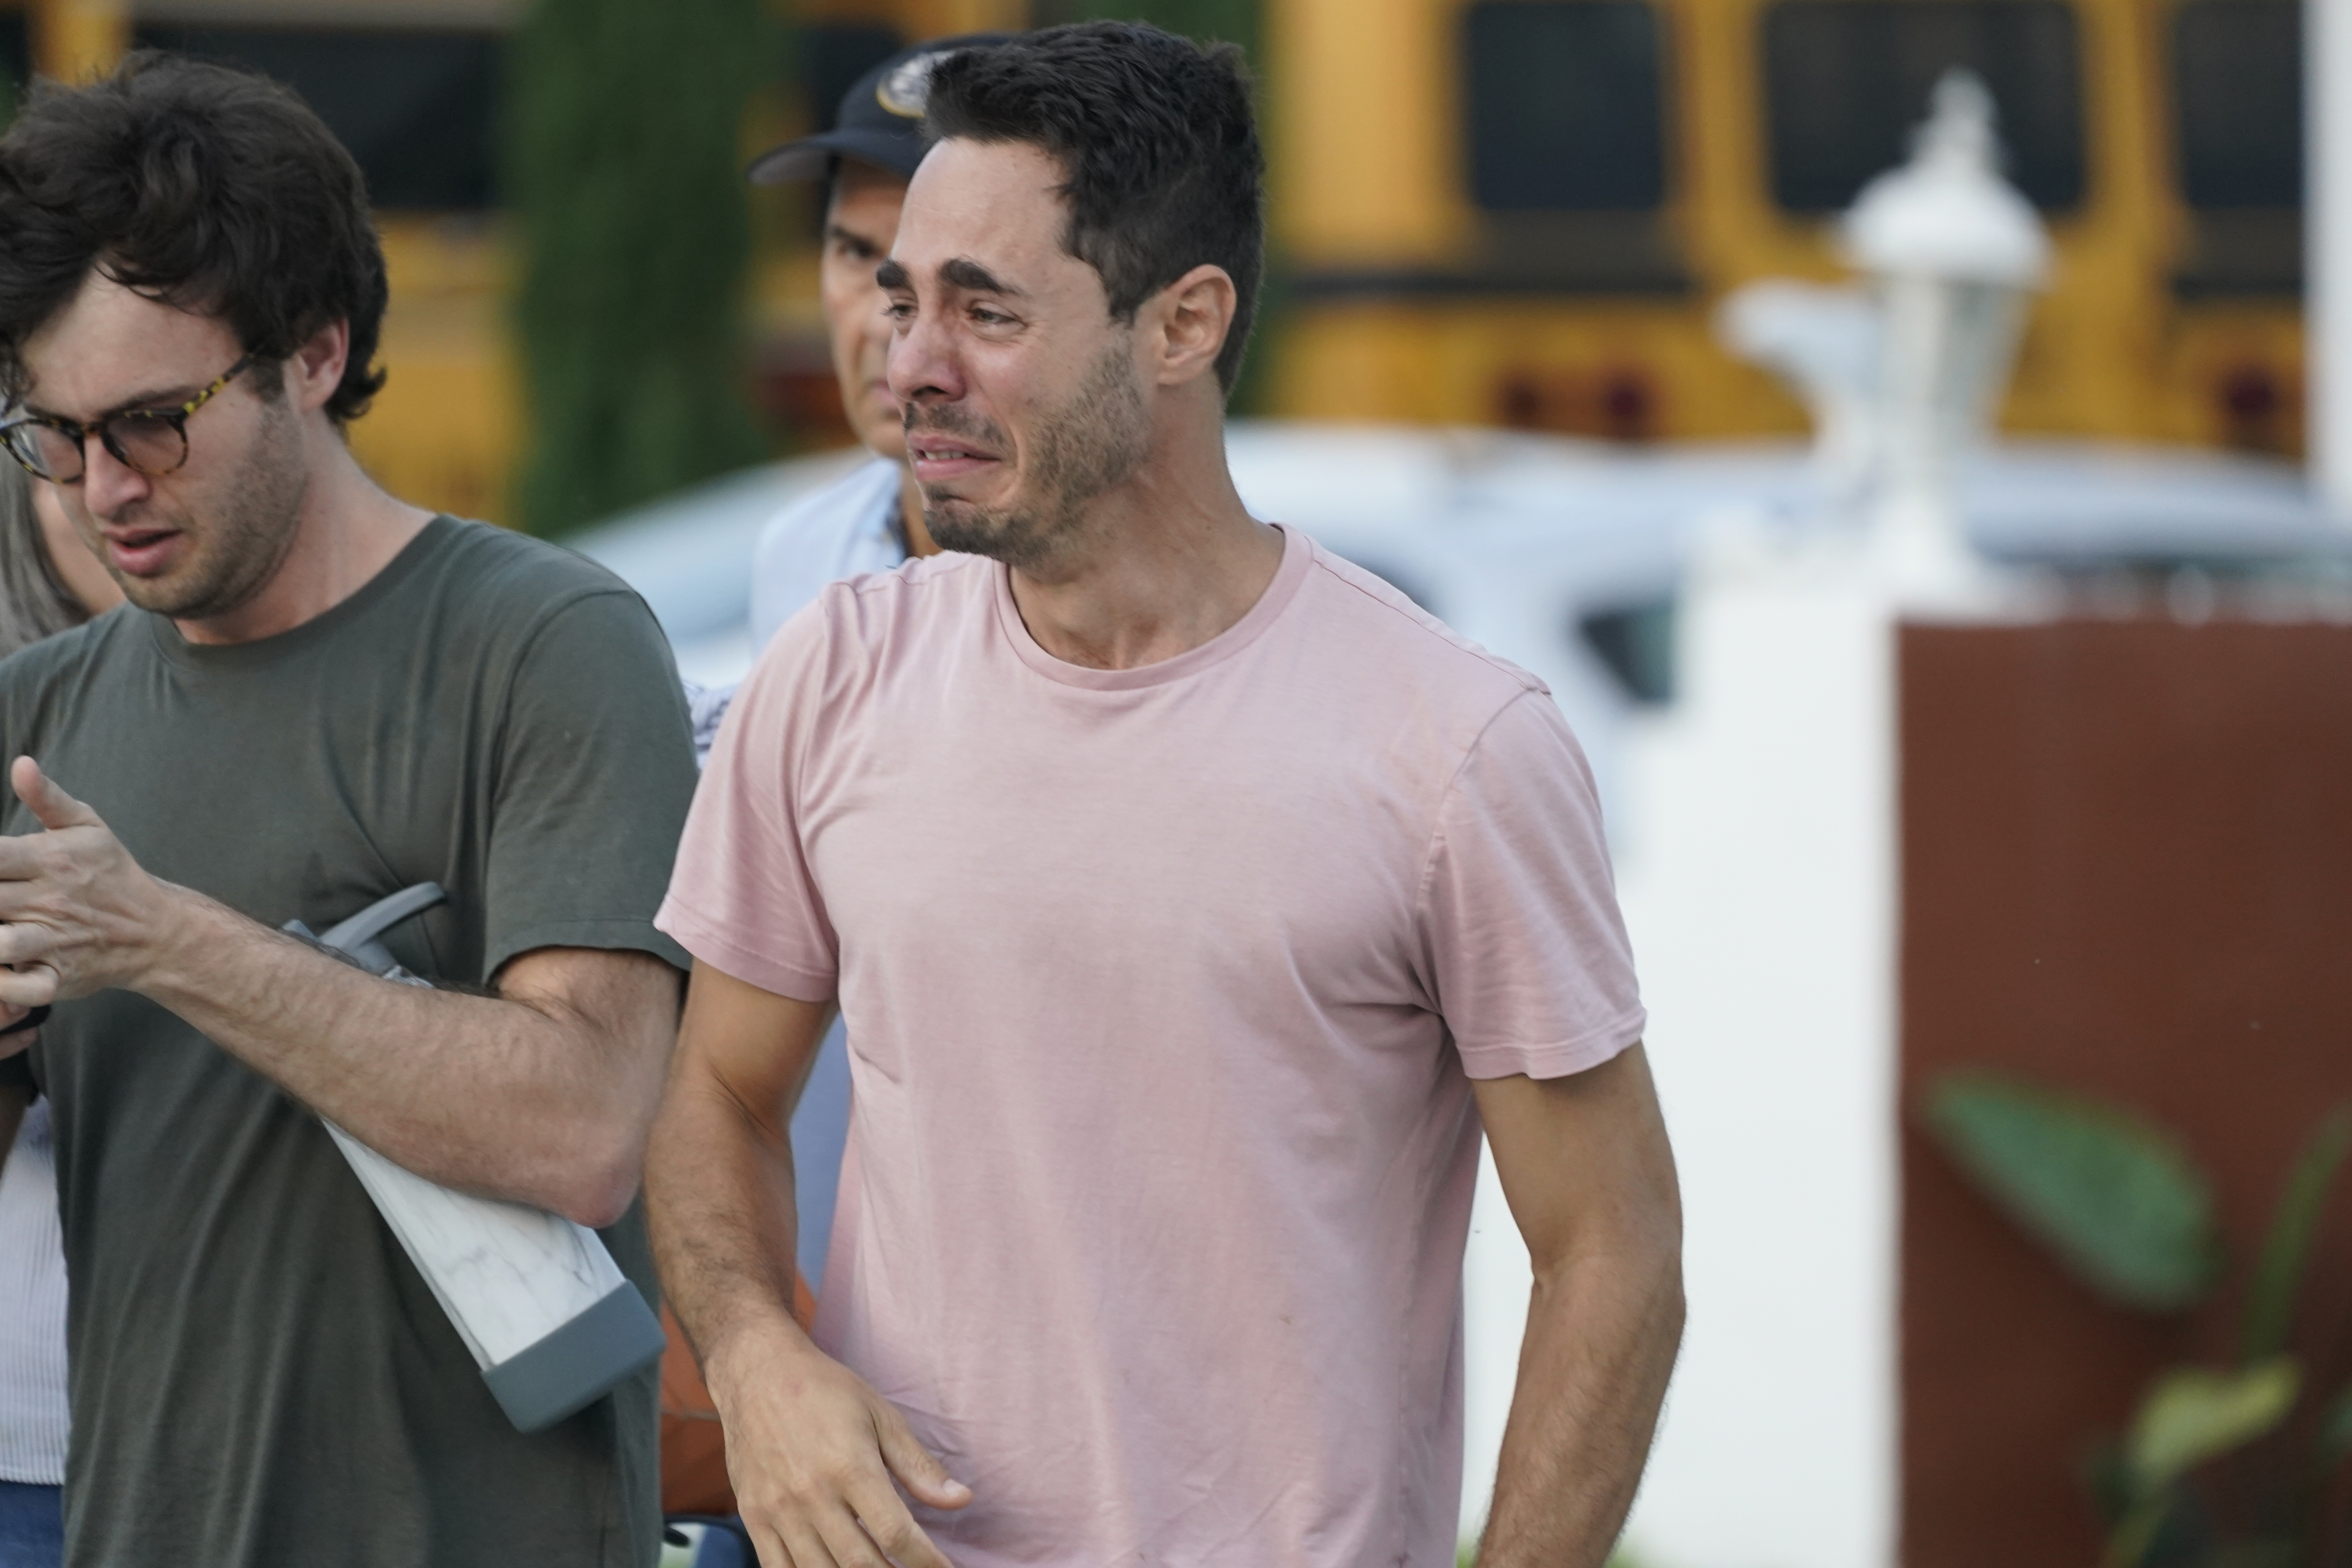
column 1192, row 316
column 315, row 369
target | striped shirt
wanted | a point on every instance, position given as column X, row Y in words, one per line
column 32, row 1310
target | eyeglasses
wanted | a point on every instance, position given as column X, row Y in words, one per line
column 152, row 441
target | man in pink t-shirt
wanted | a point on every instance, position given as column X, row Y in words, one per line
column 1193, row 900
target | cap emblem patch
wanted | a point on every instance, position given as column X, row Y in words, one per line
column 906, row 90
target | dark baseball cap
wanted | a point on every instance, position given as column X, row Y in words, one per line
column 881, row 118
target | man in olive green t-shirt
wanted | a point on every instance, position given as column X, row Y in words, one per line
column 317, row 696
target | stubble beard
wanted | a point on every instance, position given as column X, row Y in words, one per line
column 1094, row 442
column 236, row 551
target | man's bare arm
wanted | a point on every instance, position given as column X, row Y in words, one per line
column 1591, row 1180
column 718, row 1178
column 812, row 1449
column 544, row 1092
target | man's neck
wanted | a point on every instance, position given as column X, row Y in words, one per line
column 349, row 530
column 1162, row 565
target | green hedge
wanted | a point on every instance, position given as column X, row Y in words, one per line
column 624, row 170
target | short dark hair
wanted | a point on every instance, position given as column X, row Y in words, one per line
column 207, row 187
column 1156, row 140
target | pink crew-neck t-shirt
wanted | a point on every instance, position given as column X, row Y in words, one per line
column 1164, row 988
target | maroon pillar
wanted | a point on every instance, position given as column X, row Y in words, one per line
column 2127, row 869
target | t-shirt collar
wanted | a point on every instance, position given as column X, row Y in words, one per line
column 1297, row 554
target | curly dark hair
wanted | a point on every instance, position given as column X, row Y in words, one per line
column 203, row 186
column 1157, row 139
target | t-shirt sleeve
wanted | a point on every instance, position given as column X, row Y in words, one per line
column 742, row 898
column 596, row 769
column 1524, row 942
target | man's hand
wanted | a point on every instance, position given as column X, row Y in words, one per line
column 812, row 1452
column 80, row 914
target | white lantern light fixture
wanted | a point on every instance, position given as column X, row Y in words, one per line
column 1951, row 250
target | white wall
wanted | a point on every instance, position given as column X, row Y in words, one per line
column 1757, row 873
column 2328, row 117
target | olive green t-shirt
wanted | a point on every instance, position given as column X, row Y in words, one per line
column 260, row 1378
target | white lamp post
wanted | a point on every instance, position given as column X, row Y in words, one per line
column 1951, row 250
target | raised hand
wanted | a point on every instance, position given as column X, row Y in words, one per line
column 77, row 912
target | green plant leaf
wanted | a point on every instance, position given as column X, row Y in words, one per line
column 2336, row 1432
column 2278, row 1278
column 2193, row 1414
column 2113, row 1197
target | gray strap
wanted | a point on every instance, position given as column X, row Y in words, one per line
column 355, row 938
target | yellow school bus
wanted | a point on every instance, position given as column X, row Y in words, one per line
column 1499, row 211
column 1523, row 211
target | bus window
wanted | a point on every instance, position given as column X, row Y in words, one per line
column 1564, row 104
column 2237, row 92
column 2237, row 80
column 1846, row 80
column 416, row 107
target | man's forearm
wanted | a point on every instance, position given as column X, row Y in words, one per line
column 720, row 1199
column 1600, row 1342
column 487, row 1093
column 817, row 1457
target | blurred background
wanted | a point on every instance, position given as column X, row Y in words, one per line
column 1501, row 213
column 1903, row 481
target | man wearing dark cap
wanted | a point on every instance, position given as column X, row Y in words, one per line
column 871, row 519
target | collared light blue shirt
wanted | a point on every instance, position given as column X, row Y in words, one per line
column 848, row 529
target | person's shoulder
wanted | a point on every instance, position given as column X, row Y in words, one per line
column 1382, row 626
column 507, row 587
column 872, row 611
column 841, row 504
column 502, row 562
column 910, row 596
column 917, row 576
column 860, row 622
